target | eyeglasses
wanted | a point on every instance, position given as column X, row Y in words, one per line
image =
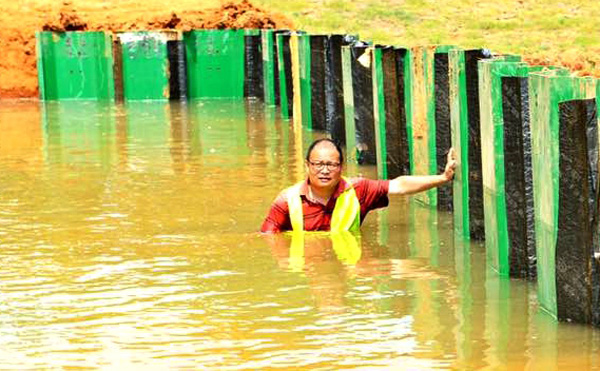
column 321, row 165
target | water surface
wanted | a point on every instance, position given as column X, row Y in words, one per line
column 128, row 240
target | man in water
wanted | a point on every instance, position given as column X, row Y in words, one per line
column 327, row 201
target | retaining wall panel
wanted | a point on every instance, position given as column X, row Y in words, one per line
column 334, row 89
column 253, row 65
column 362, row 87
column 75, row 65
column 475, row 182
column 215, row 60
column 578, row 147
column 442, row 126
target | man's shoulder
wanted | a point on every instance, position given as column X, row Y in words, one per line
column 288, row 192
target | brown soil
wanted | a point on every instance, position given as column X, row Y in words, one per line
column 22, row 18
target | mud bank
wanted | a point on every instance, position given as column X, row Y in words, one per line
column 18, row 72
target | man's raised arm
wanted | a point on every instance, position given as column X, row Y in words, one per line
column 411, row 184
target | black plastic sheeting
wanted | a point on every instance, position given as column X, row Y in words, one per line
column 253, row 67
column 318, row 55
column 443, row 140
column 576, row 269
column 362, row 85
column 476, row 216
column 177, row 69
column 334, row 89
column 403, row 156
column 287, row 70
column 392, row 60
column 276, row 65
column 518, row 177
column 118, row 70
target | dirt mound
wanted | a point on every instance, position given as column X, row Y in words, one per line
column 18, row 71
column 238, row 15
column 68, row 20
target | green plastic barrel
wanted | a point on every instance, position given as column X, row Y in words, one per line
column 215, row 62
column 75, row 65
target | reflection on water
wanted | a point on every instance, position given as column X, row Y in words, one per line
column 128, row 239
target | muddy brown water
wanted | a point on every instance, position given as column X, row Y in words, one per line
column 128, row 240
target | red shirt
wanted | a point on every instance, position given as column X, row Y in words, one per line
column 371, row 194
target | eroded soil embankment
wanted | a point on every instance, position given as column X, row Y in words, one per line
column 18, row 72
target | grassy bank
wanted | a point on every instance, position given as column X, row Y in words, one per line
column 547, row 31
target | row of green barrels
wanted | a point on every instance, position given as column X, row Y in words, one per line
column 526, row 136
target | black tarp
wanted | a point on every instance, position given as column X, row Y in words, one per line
column 253, row 67
column 118, row 69
column 318, row 53
column 577, row 211
column 475, row 176
column 443, row 140
column 518, row 177
column 362, row 86
column 334, row 89
column 397, row 161
column 177, row 69
column 403, row 156
column 276, row 65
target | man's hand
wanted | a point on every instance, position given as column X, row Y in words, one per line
column 450, row 165
column 411, row 184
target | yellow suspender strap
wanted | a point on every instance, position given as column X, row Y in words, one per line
column 346, row 213
column 295, row 205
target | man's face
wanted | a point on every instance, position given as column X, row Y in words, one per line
column 324, row 167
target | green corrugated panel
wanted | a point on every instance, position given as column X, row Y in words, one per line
column 348, row 103
column 268, row 66
column 421, row 64
column 459, row 124
column 145, row 64
column 283, row 99
column 408, row 103
column 305, row 87
column 75, row 65
column 379, row 113
column 492, row 157
column 548, row 89
column 215, row 63
column 422, row 143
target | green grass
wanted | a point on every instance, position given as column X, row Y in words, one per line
column 541, row 27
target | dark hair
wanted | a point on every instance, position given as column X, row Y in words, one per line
column 314, row 144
